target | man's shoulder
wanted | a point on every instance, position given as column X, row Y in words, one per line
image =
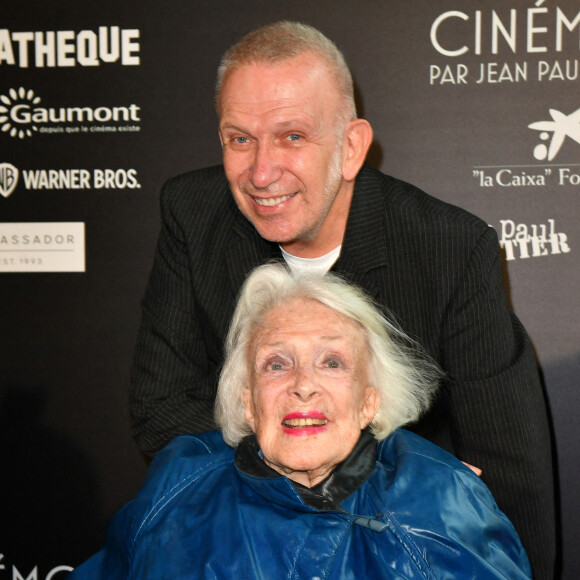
column 200, row 202
column 207, row 185
column 402, row 198
column 199, row 177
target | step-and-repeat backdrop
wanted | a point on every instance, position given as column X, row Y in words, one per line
column 476, row 102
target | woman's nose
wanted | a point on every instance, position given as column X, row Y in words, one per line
column 305, row 385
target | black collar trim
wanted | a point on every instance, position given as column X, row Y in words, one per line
column 347, row 477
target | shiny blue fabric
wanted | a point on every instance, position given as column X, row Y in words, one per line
column 421, row 514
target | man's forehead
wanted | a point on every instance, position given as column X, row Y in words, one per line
column 290, row 106
column 280, row 118
column 276, row 79
column 306, row 59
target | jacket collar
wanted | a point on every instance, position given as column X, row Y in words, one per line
column 248, row 250
column 347, row 477
column 365, row 228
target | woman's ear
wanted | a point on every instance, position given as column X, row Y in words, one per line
column 248, row 408
column 370, row 406
column 357, row 140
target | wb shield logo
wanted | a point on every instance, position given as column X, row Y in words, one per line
column 8, row 179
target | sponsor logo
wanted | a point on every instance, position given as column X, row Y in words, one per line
column 561, row 126
column 553, row 134
column 67, row 48
column 517, row 177
column 66, row 179
column 22, row 116
column 42, row 247
column 80, row 179
column 513, row 43
column 56, row 573
column 527, row 35
column 8, row 179
column 522, row 241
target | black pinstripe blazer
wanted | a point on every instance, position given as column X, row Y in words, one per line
column 434, row 266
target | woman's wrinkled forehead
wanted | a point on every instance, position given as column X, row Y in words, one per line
column 301, row 318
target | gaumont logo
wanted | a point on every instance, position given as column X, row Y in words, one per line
column 67, row 48
column 21, row 116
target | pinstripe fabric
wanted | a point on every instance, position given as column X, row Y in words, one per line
column 434, row 266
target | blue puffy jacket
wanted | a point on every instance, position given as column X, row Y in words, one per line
column 420, row 514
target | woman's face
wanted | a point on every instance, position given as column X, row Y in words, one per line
column 309, row 396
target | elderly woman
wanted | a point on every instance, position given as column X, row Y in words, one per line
column 314, row 479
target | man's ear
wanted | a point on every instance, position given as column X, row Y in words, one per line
column 357, row 140
column 248, row 408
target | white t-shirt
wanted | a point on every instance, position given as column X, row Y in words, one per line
column 320, row 265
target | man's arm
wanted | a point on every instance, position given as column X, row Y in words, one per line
column 498, row 411
column 172, row 380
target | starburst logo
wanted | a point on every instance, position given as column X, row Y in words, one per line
column 561, row 126
column 8, row 111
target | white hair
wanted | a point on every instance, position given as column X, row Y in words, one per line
column 405, row 377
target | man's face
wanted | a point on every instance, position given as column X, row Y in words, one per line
column 309, row 395
column 282, row 152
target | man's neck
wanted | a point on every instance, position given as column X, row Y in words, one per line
column 307, row 250
column 330, row 233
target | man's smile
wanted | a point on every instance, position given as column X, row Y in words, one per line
column 272, row 201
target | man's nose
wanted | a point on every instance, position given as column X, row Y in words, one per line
column 265, row 169
column 305, row 386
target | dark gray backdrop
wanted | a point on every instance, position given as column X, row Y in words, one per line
column 67, row 458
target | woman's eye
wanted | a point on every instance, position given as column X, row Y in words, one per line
column 275, row 366
column 333, row 363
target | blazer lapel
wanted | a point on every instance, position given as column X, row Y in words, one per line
column 247, row 251
column 364, row 240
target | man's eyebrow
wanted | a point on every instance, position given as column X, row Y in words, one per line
column 290, row 123
column 295, row 123
column 230, row 126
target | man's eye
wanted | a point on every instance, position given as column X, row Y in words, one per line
column 241, row 140
column 293, row 137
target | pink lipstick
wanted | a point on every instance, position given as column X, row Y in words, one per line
column 303, row 424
